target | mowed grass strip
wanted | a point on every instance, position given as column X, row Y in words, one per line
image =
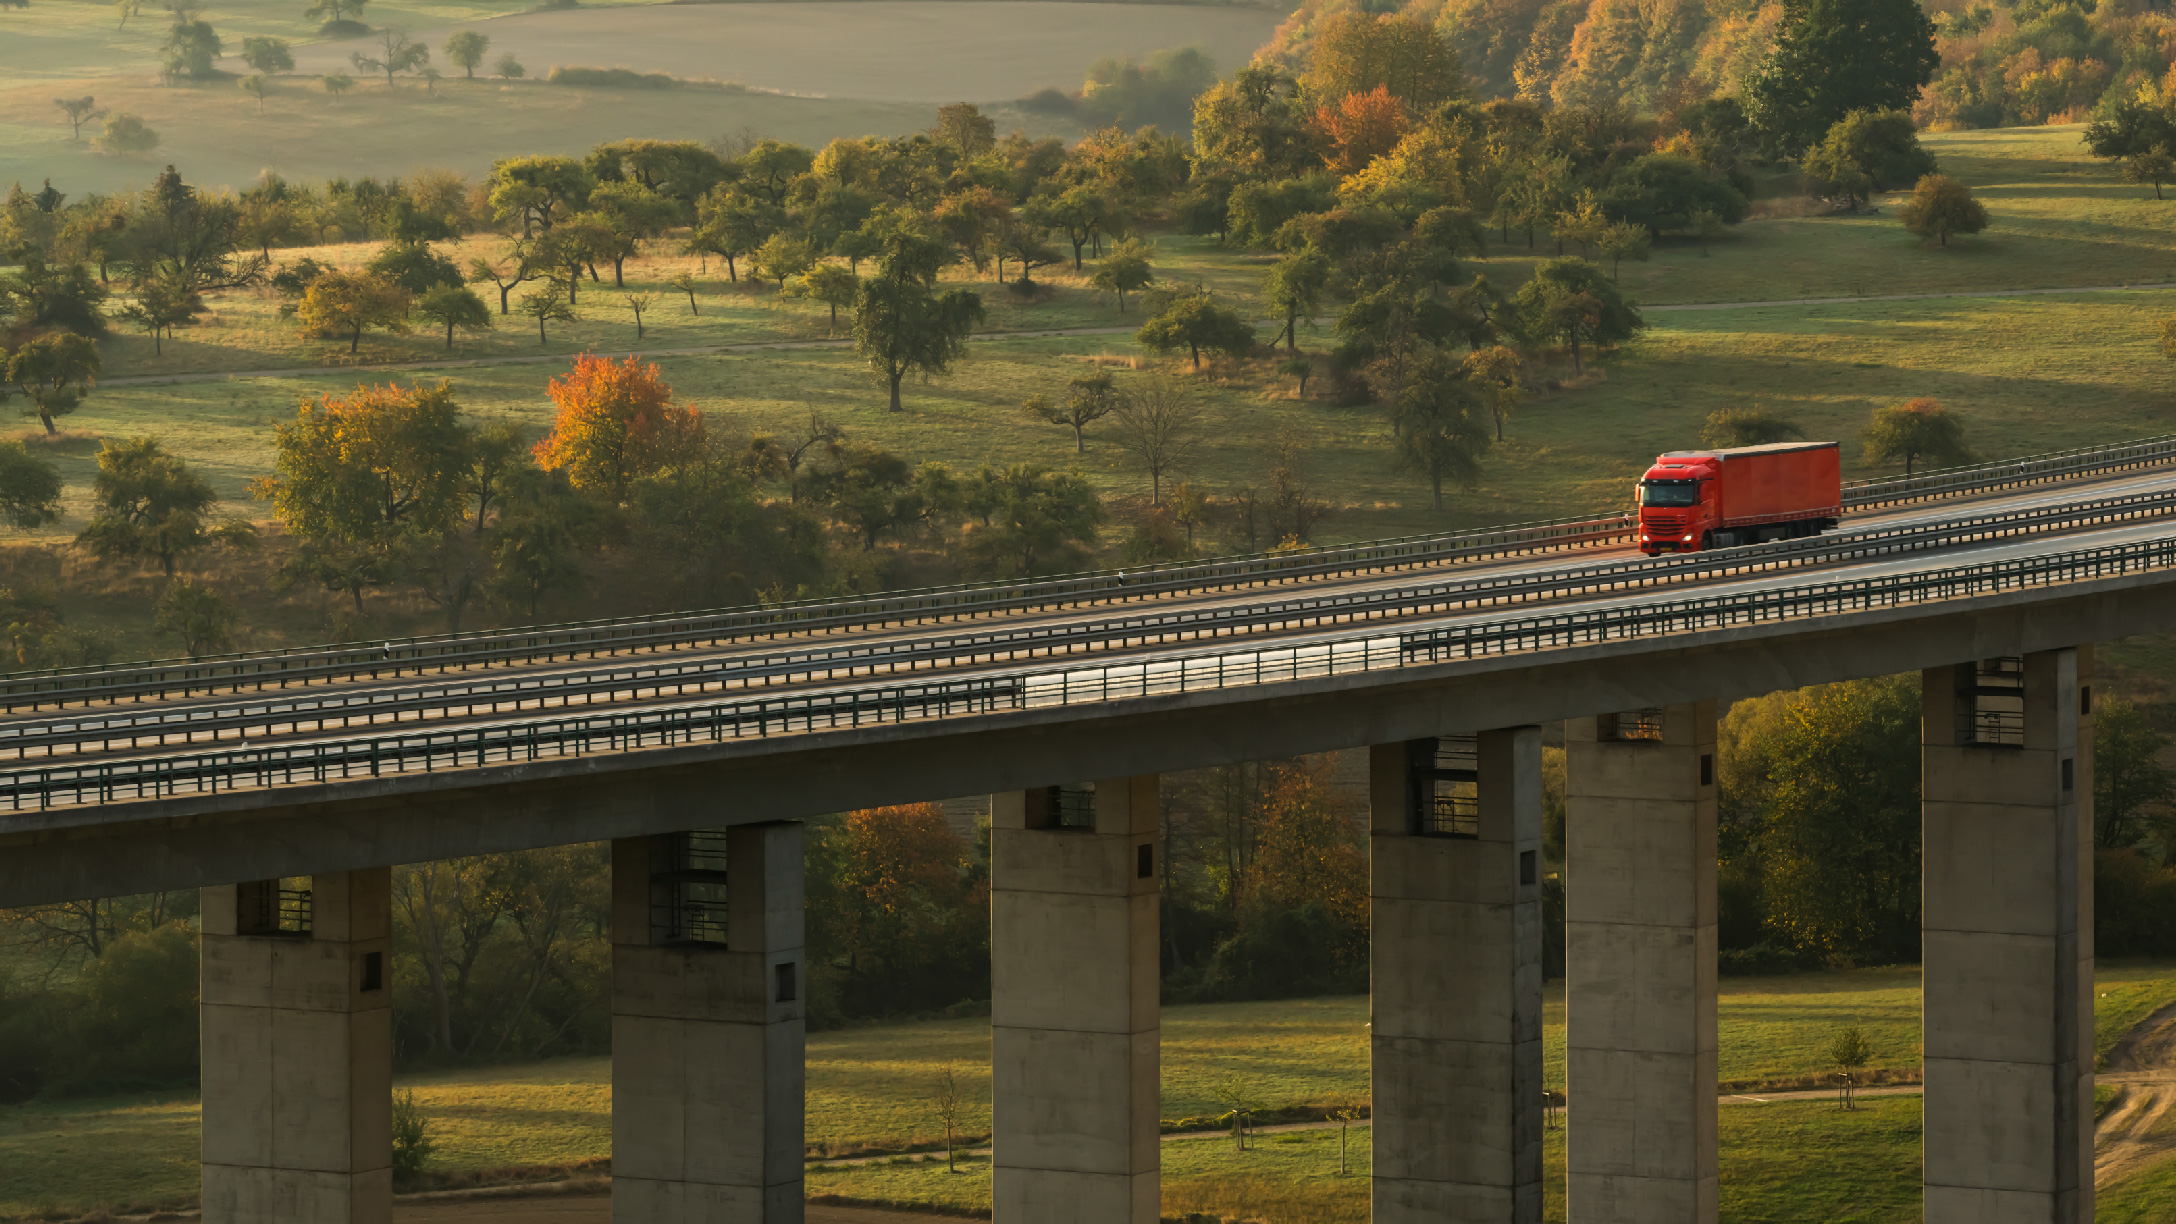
column 876, row 1087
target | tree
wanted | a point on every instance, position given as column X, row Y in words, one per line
column 30, row 487
column 1620, row 240
column 54, row 297
column 455, row 306
column 781, row 258
column 1919, row 430
column 158, row 309
column 636, row 303
column 977, row 220
column 191, row 46
column 828, row 283
column 1833, row 57
column 268, row 55
column 1569, row 298
column 197, row 615
column 1088, row 399
column 79, row 111
column 538, row 191
column 1439, row 430
column 256, row 88
column 337, row 83
column 509, row 273
column 902, row 325
column 52, row 373
column 2131, row 788
column 1748, row 427
column 1941, row 206
column 395, row 54
column 731, row 224
column 1032, row 521
column 1080, row 213
column 1357, row 51
column 465, row 49
column 547, row 305
column 1195, row 322
column 1126, row 269
column 1849, row 1050
column 877, row 491
column 2136, row 129
column 1707, row 224
column 948, row 1084
column 2153, row 166
column 334, row 12
column 1880, row 147
column 1294, row 286
column 1160, row 428
column 685, row 282
column 1499, row 376
column 616, row 421
column 125, row 134
column 509, row 68
column 345, row 303
column 147, row 503
column 965, row 130
column 628, row 212
column 356, row 474
column 414, row 267
column 1662, row 190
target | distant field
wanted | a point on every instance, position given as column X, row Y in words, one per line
column 875, row 1086
column 924, row 51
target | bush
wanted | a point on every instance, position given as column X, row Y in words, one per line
column 343, row 28
column 612, row 78
column 131, row 1020
column 1284, row 954
column 412, row 1143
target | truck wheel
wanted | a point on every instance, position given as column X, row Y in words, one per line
column 1707, row 541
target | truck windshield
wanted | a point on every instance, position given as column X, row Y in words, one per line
column 1669, row 493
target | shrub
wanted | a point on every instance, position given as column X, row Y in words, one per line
column 1941, row 206
column 1283, row 954
column 612, row 78
column 412, row 1142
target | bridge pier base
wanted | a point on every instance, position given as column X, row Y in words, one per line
column 1074, row 1009
column 1456, row 969
column 708, row 1027
column 1640, row 1040
column 298, row 1051
column 2007, row 940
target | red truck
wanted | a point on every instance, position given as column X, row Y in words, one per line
column 1691, row 501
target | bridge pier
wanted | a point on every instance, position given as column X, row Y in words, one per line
column 2007, row 939
column 1455, row 962
column 297, row 1055
column 708, row 1027
column 1640, row 1041
column 1074, row 1008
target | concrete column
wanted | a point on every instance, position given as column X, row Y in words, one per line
column 298, row 1051
column 1455, row 964
column 707, row 1027
column 2007, row 940
column 1073, row 1009
column 1640, row 967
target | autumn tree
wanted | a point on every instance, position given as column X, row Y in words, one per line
column 345, row 303
column 616, row 421
column 963, row 128
column 898, row 911
column 1358, row 51
column 1916, row 431
column 147, row 503
column 1360, row 127
column 1941, row 206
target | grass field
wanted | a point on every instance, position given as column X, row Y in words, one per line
column 873, row 1088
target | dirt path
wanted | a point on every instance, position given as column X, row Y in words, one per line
column 2139, row 1130
column 758, row 346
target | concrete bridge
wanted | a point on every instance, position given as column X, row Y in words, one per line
column 693, row 743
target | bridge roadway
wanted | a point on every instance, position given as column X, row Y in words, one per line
column 200, row 768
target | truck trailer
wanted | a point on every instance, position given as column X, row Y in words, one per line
column 1691, row 501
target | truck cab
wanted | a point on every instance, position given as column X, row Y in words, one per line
column 1677, row 503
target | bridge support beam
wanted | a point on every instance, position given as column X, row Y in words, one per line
column 1456, row 979
column 1640, row 1068
column 298, row 1051
column 1073, row 1011
column 708, row 1027
column 2007, row 939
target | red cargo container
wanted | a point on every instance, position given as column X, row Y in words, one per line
column 1694, row 500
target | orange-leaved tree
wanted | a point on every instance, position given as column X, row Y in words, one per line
column 899, row 910
column 1361, row 127
column 616, row 421
column 1309, row 847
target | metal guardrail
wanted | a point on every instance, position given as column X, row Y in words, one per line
column 493, row 696
column 163, row 679
column 430, row 751
column 2010, row 473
